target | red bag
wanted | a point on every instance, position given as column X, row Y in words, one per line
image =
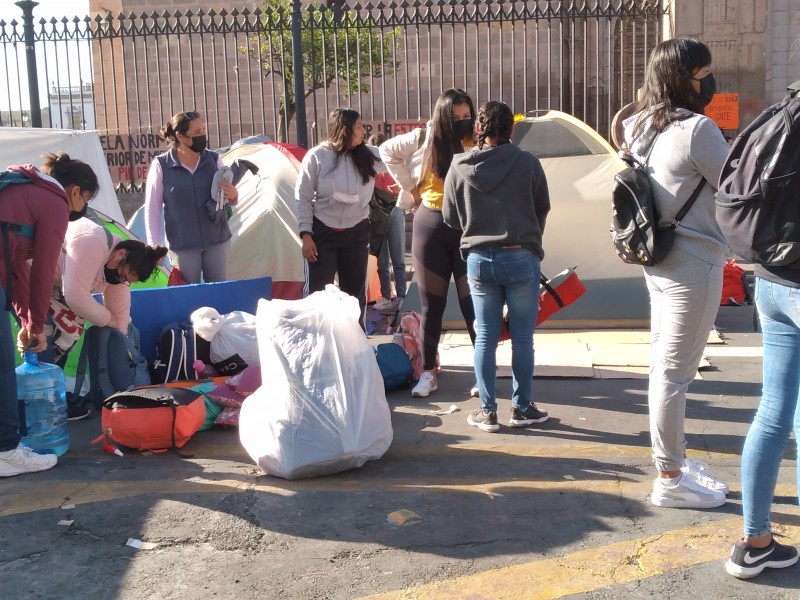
column 734, row 290
column 153, row 418
column 554, row 294
column 175, row 277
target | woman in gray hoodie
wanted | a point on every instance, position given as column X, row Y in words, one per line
column 497, row 196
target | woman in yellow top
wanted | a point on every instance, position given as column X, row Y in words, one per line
column 419, row 161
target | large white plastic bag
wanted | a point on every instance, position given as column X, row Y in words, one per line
column 322, row 407
column 230, row 334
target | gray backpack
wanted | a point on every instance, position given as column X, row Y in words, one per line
column 115, row 363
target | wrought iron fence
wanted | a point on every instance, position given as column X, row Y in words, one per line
column 126, row 74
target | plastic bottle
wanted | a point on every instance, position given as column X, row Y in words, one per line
column 203, row 370
column 42, row 388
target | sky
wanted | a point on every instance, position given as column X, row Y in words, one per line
column 13, row 87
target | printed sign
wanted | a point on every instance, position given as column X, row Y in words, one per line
column 724, row 110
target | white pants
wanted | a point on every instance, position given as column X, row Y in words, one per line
column 684, row 298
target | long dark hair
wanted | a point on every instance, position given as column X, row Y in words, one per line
column 340, row 136
column 179, row 123
column 668, row 82
column 70, row 171
column 496, row 120
column 141, row 258
column 444, row 143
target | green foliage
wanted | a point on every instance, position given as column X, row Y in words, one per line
column 338, row 47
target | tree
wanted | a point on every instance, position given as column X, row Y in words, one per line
column 338, row 45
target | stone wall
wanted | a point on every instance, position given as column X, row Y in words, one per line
column 751, row 43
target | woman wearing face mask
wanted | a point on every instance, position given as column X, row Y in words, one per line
column 419, row 161
column 95, row 261
column 333, row 191
column 686, row 150
column 35, row 207
column 178, row 195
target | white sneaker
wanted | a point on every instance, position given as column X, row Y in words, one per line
column 686, row 494
column 24, row 460
column 475, row 392
column 383, row 304
column 426, row 385
column 699, row 472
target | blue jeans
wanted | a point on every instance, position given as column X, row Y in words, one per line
column 779, row 311
column 504, row 276
column 394, row 250
column 9, row 408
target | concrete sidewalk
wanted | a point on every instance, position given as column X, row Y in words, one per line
column 554, row 511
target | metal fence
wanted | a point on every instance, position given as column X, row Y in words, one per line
column 126, row 74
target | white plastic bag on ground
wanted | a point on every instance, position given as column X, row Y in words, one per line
column 322, row 407
column 230, row 334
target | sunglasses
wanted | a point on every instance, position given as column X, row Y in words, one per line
column 189, row 116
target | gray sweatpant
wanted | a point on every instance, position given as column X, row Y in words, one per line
column 684, row 298
column 212, row 263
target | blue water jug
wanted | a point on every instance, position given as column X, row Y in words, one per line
column 41, row 387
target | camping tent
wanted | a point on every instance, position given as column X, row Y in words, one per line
column 264, row 224
column 23, row 145
column 580, row 167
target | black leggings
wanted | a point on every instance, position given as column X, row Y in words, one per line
column 436, row 257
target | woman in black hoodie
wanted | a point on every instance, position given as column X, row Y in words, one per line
column 497, row 195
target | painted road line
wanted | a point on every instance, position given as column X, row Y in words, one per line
column 601, row 567
column 29, row 496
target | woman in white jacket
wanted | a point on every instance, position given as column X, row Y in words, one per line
column 419, row 161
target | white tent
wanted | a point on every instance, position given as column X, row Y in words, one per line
column 25, row 145
column 264, row 224
column 580, row 167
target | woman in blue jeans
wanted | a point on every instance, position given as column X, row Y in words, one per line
column 778, row 302
column 497, row 195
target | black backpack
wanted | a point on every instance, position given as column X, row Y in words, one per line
column 763, row 170
column 175, row 354
column 635, row 233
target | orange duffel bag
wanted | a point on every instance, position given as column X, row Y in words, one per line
column 153, row 418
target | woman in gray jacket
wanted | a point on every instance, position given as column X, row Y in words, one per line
column 686, row 148
column 333, row 191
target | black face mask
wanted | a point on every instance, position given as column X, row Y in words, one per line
column 462, row 128
column 74, row 215
column 199, row 143
column 708, row 87
column 112, row 276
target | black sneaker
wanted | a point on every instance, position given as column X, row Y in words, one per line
column 746, row 561
column 485, row 421
column 530, row 416
column 77, row 411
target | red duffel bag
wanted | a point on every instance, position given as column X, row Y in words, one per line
column 554, row 294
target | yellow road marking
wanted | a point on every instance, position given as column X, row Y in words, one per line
column 598, row 568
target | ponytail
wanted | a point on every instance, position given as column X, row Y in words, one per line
column 68, row 172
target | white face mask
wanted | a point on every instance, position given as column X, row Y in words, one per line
column 346, row 198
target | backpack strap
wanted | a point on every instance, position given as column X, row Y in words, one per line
column 792, row 90
column 422, row 134
column 688, row 204
column 80, row 370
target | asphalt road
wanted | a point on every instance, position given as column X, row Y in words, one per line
column 558, row 510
